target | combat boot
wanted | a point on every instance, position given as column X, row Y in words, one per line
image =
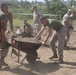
column 66, row 47
column 54, row 56
column 61, row 60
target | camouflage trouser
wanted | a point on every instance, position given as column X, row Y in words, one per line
column 3, row 52
column 37, row 28
column 67, row 34
column 60, row 38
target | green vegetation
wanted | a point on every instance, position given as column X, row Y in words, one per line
column 49, row 7
column 20, row 22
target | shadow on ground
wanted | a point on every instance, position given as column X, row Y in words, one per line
column 37, row 68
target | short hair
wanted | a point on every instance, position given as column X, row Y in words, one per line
column 42, row 18
column 25, row 20
column 4, row 5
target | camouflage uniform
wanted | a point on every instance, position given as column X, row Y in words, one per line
column 3, row 17
column 28, row 30
column 10, row 19
column 67, row 18
column 36, row 16
column 58, row 36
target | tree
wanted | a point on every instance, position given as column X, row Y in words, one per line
column 56, row 7
column 47, row 5
column 72, row 2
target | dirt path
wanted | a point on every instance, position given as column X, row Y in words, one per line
column 43, row 66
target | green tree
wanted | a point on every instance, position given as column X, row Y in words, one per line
column 56, row 7
column 72, row 2
column 47, row 5
column 56, row 0
column 25, row 4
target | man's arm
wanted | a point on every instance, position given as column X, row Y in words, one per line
column 3, row 23
column 40, row 14
column 40, row 32
column 48, row 35
column 66, row 23
column 11, row 21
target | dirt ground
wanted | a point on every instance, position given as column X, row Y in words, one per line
column 43, row 66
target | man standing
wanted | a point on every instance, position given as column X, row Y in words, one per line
column 67, row 22
column 36, row 16
column 3, row 28
column 58, row 36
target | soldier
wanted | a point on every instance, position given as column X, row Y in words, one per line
column 67, row 21
column 3, row 27
column 36, row 16
column 28, row 30
column 58, row 36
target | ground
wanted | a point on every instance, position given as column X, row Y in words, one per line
column 43, row 66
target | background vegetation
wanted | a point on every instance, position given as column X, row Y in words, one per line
column 56, row 7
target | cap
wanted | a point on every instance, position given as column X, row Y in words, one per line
column 34, row 6
column 70, row 10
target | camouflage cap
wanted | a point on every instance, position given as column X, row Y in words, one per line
column 34, row 6
column 70, row 10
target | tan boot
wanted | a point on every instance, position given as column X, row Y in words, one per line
column 54, row 56
column 61, row 60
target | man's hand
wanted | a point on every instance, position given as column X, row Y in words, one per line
column 36, row 38
column 43, row 43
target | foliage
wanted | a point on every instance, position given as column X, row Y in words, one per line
column 50, row 7
column 26, row 5
column 72, row 2
column 43, row 9
column 57, row 7
column 74, row 9
column 20, row 22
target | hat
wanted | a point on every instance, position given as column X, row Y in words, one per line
column 70, row 10
column 34, row 6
